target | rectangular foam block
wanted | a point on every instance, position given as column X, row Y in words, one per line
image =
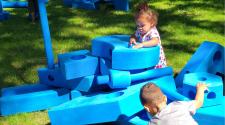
column 30, row 98
column 54, row 77
column 212, row 97
column 97, row 106
column 209, row 57
column 78, row 64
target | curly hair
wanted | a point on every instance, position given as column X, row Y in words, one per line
column 145, row 12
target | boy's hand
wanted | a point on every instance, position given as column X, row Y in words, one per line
column 202, row 87
column 133, row 41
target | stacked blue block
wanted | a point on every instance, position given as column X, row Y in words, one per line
column 208, row 58
column 116, row 49
column 78, row 64
column 29, row 98
column 212, row 97
column 54, row 77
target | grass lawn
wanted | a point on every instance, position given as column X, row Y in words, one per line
column 183, row 27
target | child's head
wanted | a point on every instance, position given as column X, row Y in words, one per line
column 145, row 18
column 152, row 98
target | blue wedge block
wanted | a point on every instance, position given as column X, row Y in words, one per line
column 54, row 77
column 122, row 57
column 30, row 98
column 208, row 58
column 212, row 97
column 78, row 64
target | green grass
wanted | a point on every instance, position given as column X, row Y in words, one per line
column 183, row 27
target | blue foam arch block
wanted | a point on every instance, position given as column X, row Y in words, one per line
column 54, row 77
column 31, row 98
column 209, row 57
column 115, row 48
column 78, row 64
column 77, row 109
column 212, row 97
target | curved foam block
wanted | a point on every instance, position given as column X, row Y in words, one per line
column 208, row 58
column 212, row 97
column 78, row 64
column 115, row 48
column 29, row 98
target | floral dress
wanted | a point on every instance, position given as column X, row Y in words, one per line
column 148, row 36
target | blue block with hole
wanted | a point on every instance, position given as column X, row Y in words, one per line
column 54, row 77
column 78, row 64
column 209, row 57
column 212, row 97
column 122, row 57
column 97, row 105
column 30, row 98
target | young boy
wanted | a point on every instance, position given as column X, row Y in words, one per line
column 175, row 113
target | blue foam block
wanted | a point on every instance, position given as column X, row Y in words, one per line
column 14, row 4
column 54, row 77
column 31, row 98
column 208, row 58
column 121, row 4
column 115, row 48
column 78, row 64
column 212, row 97
column 4, row 15
column 212, row 115
column 97, row 106
column 104, row 66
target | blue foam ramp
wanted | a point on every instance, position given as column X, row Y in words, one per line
column 30, row 98
column 209, row 57
column 212, row 97
column 78, row 64
column 54, row 77
column 115, row 48
column 97, row 106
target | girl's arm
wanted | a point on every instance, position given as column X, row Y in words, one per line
column 133, row 39
column 153, row 42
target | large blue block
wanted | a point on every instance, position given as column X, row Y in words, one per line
column 215, row 94
column 31, row 98
column 78, row 64
column 115, row 48
column 97, row 106
column 212, row 115
column 54, row 77
column 208, row 58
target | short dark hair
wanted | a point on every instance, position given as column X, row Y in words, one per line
column 151, row 95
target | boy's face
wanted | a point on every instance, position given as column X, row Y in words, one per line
column 143, row 25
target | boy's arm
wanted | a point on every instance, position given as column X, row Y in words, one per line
column 153, row 42
column 199, row 98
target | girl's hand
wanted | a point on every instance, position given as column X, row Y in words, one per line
column 137, row 46
column 133, row 41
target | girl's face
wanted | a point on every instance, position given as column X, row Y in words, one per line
column 143, row 25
